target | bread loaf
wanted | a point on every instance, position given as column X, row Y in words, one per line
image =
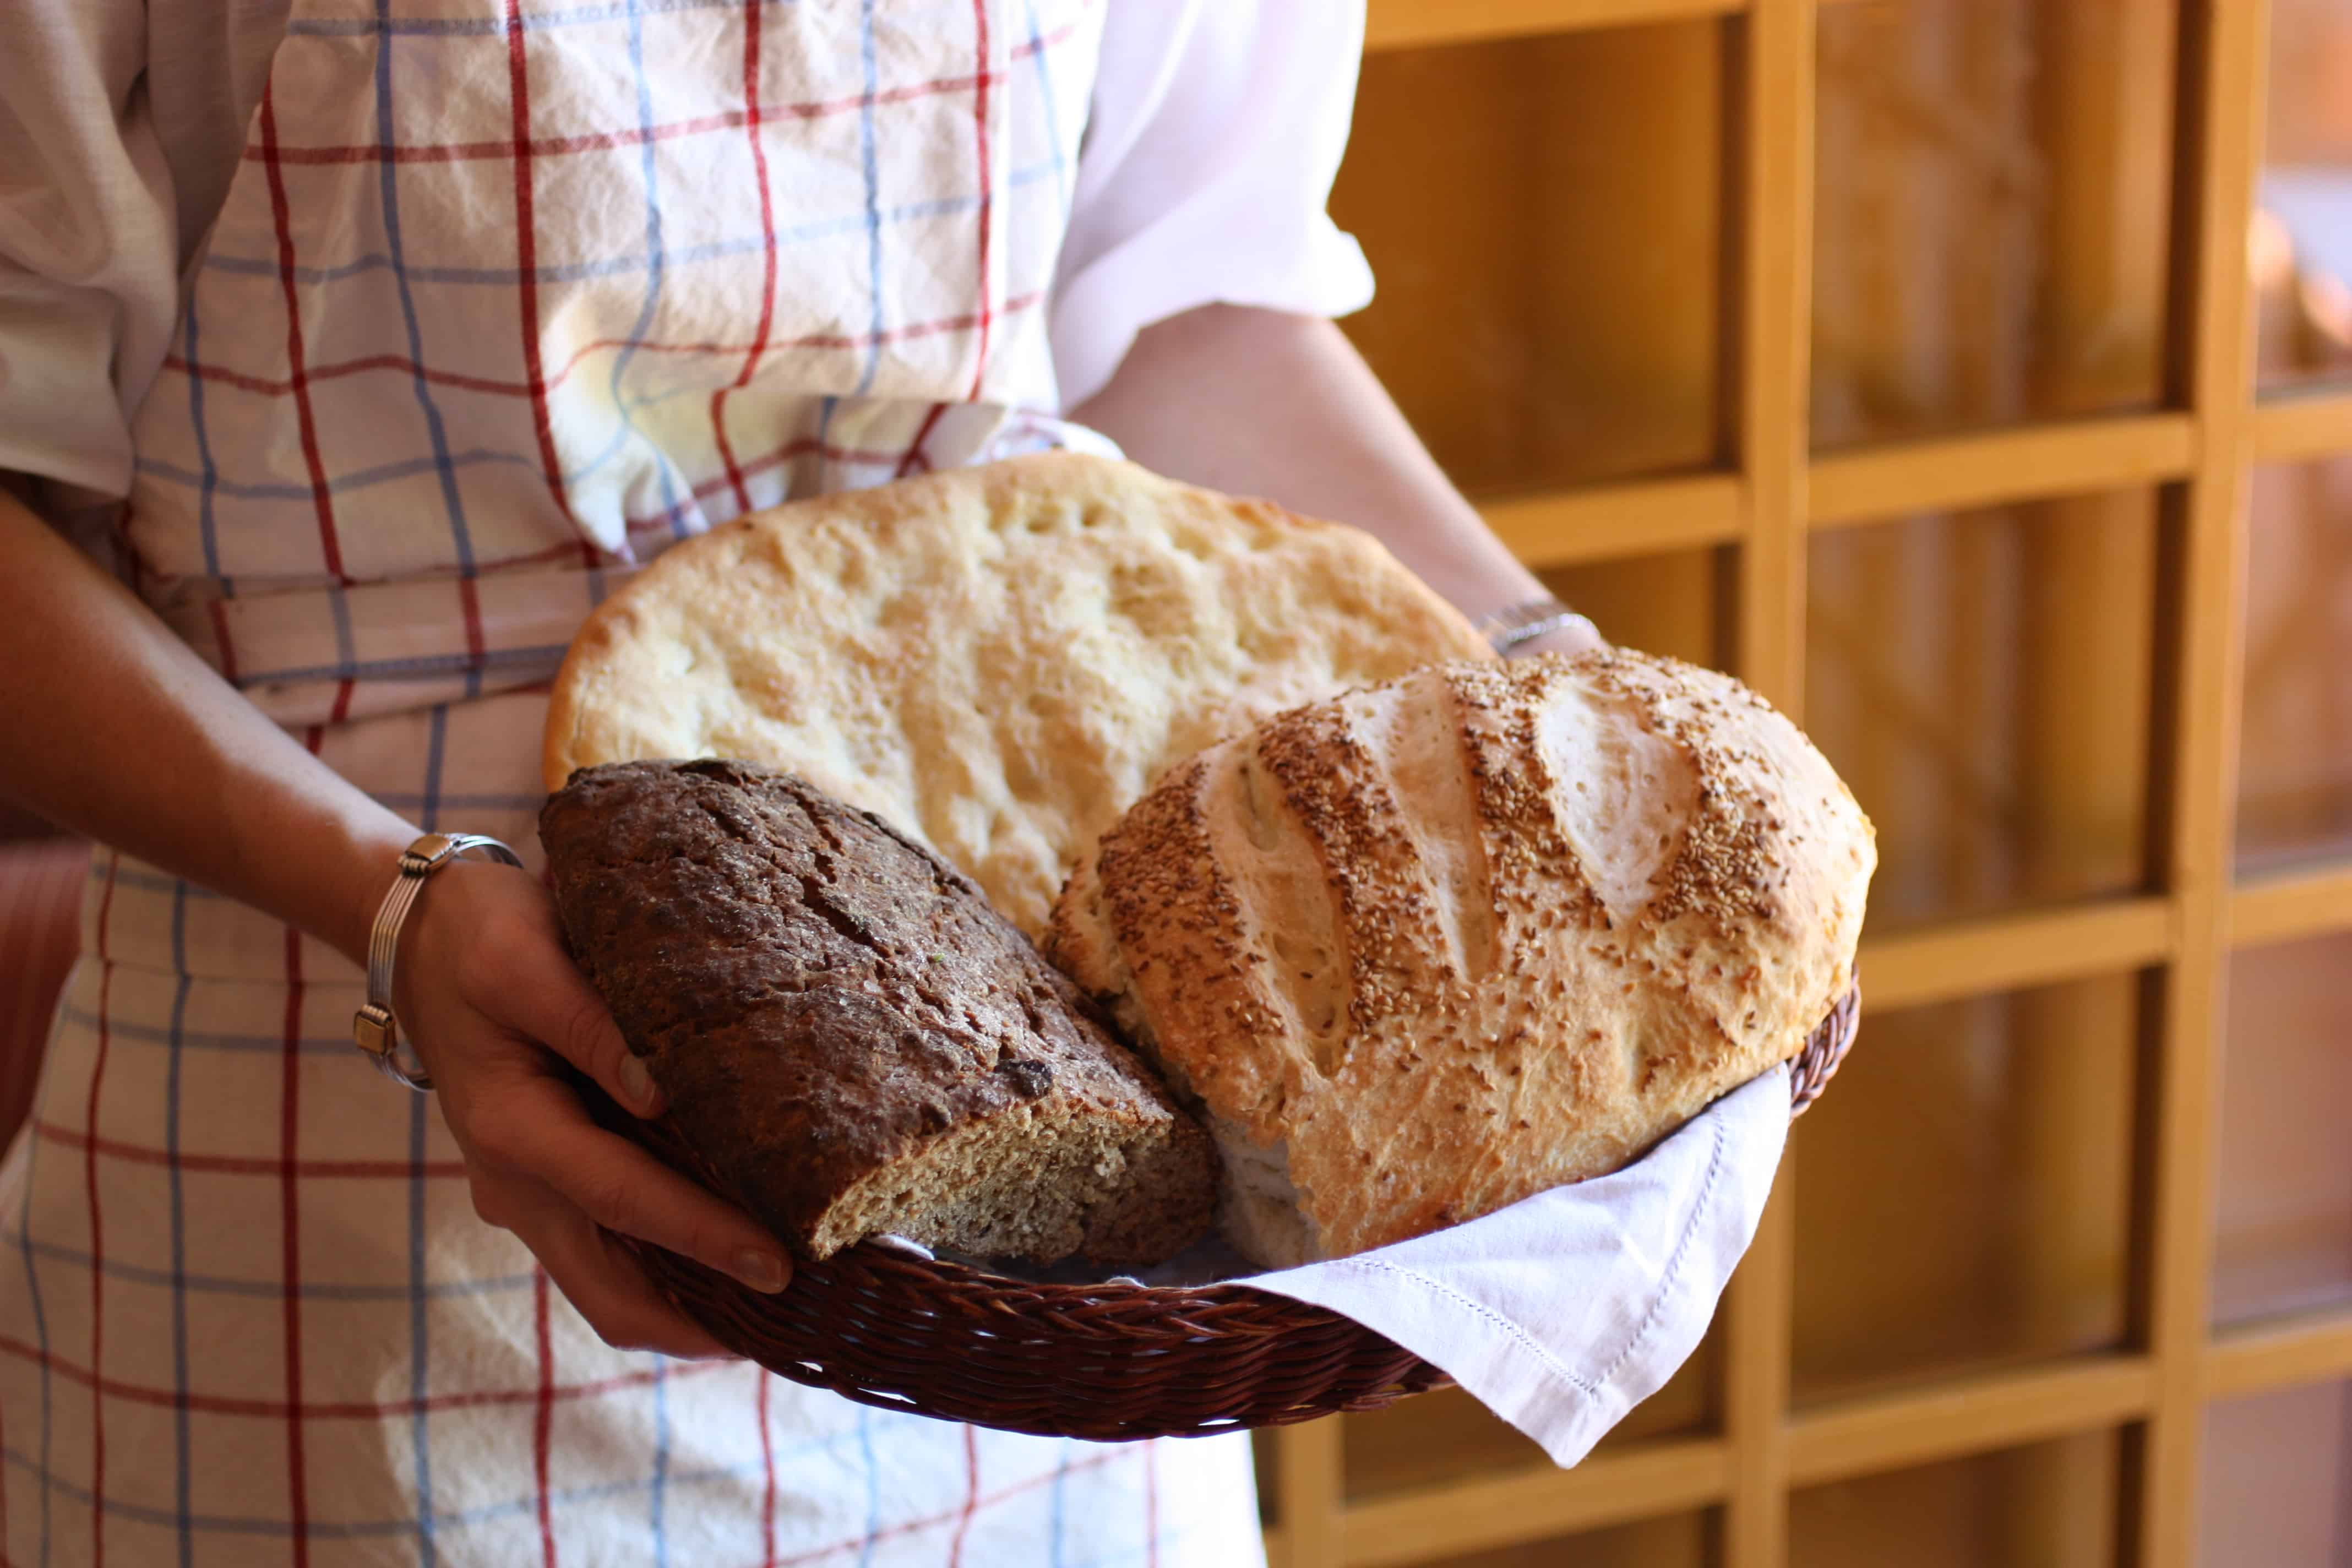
column 849, row 1035
column 1429, row 948
column 996, row 660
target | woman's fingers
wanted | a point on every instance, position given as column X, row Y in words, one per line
column 488, row 993
column 520, row 975
column 535, row 1126
column 604, row 1283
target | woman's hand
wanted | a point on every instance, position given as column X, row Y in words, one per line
column 1576, row 636
column 491, row 1001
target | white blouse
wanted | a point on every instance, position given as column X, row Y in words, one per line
column 1216, row 128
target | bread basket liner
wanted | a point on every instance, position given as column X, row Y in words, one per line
column 1109, row 1360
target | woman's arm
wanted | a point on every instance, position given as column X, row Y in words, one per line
column 121, row 734
column 115, row 728
column 1265, row 402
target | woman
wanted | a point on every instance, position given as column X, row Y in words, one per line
column 373, row 338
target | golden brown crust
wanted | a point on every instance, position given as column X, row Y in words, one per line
column 1478, row 931
column 996, row 660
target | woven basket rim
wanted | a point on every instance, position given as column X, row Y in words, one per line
column 1105, row 1360
column 1826, row 1050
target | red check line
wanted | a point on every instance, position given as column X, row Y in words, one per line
column 241, row 1165
column 638, row 136
column 341, row 1410
column 799, row 447
column 913, row 461
column 470, row 606
column 97, row 1244
column 321, row 500
column 979, row 137
column 971, row 1497
column 291, row 1197
column 227, row 650
column 398, row 364
column 526, row 256
column 402, row 366
column 542, row 1425
column 768, row 249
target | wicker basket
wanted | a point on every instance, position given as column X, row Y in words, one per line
column 1103, row 1361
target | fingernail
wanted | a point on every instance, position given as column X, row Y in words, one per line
column 638, row 1085
column 763, row 1271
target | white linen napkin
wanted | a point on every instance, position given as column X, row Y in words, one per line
column 1565, row 1311
column 1562, row 1313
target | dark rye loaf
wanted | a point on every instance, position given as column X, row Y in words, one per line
column 851, row 1036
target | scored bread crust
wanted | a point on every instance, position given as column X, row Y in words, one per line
column 1429, row 948
column 997, row 659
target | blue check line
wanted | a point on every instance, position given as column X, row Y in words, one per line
column 873, row 210
column 453, row 504
column 126, row 1031
column 206, row 524
column 421, row 667
column 360, row 479
column 649, row 174
column 1045, row 96
column 356, row 1530
column 1061, row 1479
column 618, row 265
column 420, row 1362
column 177, row 1279
column 448, row 27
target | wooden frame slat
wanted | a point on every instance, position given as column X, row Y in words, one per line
column 1413, row 24
column 2006, row 952
column 1968, row 1415
column 1770, row 65
column 1308, row 1482
column 1566, row 527
column 2300, row 426
column 1536, row 1504
column 2205, row 446
column 2312, row 1347
column 2225, row 65
column 2290, row 905
column 2030, row 464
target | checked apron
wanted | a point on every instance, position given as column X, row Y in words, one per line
column 508, row 296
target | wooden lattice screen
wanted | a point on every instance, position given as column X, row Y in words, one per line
column 1757, row 507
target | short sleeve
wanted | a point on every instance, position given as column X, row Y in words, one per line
column 1216, row 129
column 89, row 264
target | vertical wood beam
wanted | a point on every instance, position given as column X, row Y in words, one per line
column 1769, row 70
column 1308, row 1494
column 2224, row 62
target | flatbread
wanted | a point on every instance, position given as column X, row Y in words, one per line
column 998, row 660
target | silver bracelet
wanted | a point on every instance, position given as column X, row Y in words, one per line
column 373, row 1028
column 1523, row 622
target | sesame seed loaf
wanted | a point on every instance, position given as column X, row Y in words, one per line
column 1431, row 947
column 850, row 1036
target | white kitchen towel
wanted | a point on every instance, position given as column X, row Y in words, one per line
column 1563, row 1311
